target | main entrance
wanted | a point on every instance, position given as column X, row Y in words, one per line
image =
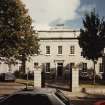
column 59, row 70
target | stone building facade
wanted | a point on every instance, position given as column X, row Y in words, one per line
column 59, row 52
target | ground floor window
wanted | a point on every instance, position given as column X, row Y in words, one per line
column 35, row 64
column 84, row 67
column 47, row 67
column 71, row 65
column 100, row 67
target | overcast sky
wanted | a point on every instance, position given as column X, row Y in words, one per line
column 68, row 12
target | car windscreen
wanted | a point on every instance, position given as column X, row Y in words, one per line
column 61, row 96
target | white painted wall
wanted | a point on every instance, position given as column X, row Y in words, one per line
column 4, row 67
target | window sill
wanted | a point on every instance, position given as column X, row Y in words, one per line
column 48, row 54
column 101, row 72
column 59, row 54
column 84, row 71
column 71, row 54
column 36, row 54
column 47, row 72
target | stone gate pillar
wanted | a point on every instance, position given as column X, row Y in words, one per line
column 37, row 77
column 75, row 80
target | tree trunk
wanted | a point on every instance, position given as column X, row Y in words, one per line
column 94, row 73
column 9, row 66
column 23, row 63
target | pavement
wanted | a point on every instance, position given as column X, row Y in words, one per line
column 9, row 87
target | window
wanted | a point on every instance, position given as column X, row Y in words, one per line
column 59, row 49
column 71, row 66
column 47, row 49
column 47, row 67
column 35, row 64
column 84, row 67
column 72, row 49
column 101, row 67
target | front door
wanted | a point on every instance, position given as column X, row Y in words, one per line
column 59, row 70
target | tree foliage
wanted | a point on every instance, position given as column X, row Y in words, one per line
column 92, row 36
column 17, row 36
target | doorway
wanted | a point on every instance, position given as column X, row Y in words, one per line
column 59, row 70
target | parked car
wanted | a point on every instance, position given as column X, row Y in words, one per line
column 102, row 102
column 45, row 96
column 85, row 76
column 7, row 77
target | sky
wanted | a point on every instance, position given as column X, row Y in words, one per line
column 47, row 13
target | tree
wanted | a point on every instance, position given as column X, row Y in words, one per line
column 17, row 36
column 92, row 37
column 28, row 47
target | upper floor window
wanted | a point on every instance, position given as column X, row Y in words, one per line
column 47, row 49
column 47, row 67
column 72, row 49
column 59, row 49
column 101, row 67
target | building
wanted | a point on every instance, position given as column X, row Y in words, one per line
column 4, row 67
column 59, row 52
